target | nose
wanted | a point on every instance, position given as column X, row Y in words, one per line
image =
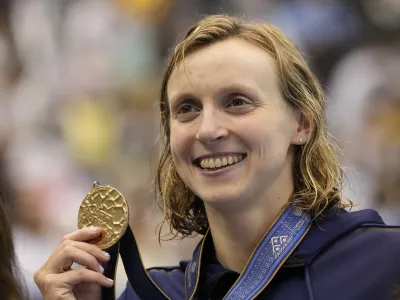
column 211, row 127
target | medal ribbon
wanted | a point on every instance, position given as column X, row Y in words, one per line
column 270, row 254
column 137, row 274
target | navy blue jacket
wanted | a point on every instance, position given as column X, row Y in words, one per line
column 344, row 256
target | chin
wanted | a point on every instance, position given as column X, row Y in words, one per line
column 220, row 197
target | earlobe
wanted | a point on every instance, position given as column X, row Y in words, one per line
column 299, row 140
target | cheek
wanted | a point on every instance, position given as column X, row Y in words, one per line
column 179, row 143
column 271, row 138
column 174, row 149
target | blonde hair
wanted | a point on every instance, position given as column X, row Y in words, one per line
column 318, row 176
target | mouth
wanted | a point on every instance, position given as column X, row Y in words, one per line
column 219, row 162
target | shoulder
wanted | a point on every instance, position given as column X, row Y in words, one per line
column 361, row 233
column 355, row 251
column 368, row 246
column 377, row 240
column 170, row 280
column 366, row 229
column 363, row 229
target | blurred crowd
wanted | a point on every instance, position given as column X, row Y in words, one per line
column 79, row 83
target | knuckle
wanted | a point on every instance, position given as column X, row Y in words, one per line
column 68, row 250
column 81, row 273
column 65, row 240
column 37, row 277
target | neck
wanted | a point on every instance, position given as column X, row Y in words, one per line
column 236, row 233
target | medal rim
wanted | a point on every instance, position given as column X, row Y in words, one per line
column 97, row 187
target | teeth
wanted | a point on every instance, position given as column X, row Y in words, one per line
column 203, row 164
column 217, row 163
column 211, row 163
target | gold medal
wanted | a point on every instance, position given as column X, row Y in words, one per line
column 105, row 207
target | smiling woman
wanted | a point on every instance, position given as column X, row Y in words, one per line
column 246, row 162
column 242, row 88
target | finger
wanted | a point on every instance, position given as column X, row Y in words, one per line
column 68, row 252
column 70, row 255
column 83, row 275
column 84, row 234
column 93, row 250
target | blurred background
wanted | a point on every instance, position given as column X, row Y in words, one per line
column 79, row 84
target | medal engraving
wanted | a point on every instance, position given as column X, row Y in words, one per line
column 105, row 207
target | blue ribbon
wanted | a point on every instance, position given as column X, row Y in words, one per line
column 269, row 255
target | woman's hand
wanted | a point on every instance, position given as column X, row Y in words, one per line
column 56, row 280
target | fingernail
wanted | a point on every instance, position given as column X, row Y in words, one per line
column 105, row 254
column 93, row 228
column 101, row 269
column 109, row 279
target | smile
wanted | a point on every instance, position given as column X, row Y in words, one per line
column 219, row 162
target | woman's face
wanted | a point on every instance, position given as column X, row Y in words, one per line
column 231, row 129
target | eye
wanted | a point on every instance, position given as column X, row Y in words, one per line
column 185, row 109
column 240, row 105
column 238, row 102
column 186, row 112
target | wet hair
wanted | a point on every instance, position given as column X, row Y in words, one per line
column 318, row 176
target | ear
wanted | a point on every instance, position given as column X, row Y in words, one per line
column 303, row 129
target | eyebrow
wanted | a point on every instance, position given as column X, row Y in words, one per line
column 232, row 88
column 237, row 88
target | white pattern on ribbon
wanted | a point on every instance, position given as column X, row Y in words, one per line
column 279, row 244
column 298, row 212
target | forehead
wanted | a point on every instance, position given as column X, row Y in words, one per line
column 229, row 62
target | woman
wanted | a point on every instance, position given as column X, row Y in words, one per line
column 246, row 161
